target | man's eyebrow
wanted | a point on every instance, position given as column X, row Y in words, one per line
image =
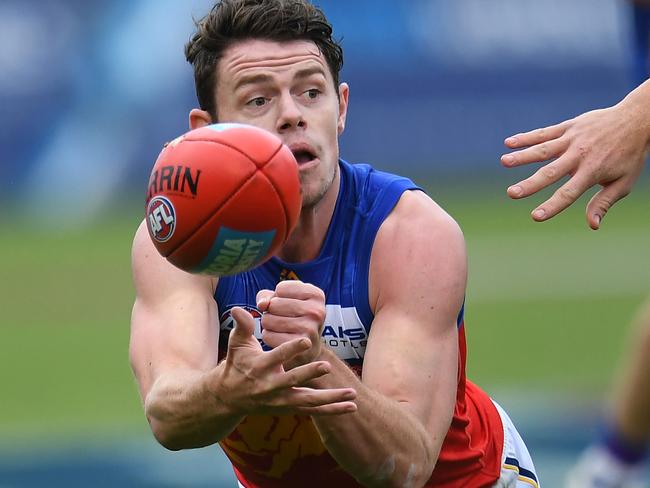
column 307, row 72
column 251, row 80
column 264, row 78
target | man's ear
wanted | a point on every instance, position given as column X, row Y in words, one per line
column 344, row 94
column 199, row 118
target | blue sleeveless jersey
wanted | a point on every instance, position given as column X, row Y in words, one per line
column 365, row 199
column 277, row 451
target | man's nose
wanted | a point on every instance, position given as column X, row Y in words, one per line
column 290, row 115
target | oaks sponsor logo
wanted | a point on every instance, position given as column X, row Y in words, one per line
column 343, row 331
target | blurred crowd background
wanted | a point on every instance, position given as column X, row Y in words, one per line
column 91, row 90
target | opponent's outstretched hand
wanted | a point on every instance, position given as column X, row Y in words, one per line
column 606, row 147
column 256, row 381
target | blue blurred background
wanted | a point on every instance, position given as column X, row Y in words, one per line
column 90, row 91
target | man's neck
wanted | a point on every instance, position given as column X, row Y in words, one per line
column 306, row 240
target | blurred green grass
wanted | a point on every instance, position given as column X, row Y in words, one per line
column 65, row 297
column 548, row 307
column 549, row 304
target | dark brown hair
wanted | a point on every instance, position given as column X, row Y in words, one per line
column 230, row 21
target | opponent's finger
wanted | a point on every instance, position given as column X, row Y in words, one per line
column 535, row 154
column 602, row 201
column 284, row 352
column 536, row 136
column 543, row 177
column 562, row 198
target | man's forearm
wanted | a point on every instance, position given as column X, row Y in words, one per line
column 383, row 443
column 185, row 414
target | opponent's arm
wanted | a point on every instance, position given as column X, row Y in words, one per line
column 406, row 397
column 189, row 399
column 606, row 147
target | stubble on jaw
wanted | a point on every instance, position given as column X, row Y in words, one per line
column 314, row 200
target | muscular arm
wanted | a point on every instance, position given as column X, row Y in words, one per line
column 189, row 399
column 606, row 147
column 407, row 394
column 174, row 339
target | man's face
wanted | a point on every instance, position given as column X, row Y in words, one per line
column 287, row 89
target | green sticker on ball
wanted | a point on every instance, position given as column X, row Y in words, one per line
column 233, row 252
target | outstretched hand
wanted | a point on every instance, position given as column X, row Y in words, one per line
column 603, row 147
column 256, row 381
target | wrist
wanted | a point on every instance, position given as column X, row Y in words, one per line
column 635, row 104
column 214, row 392
column 340, row 374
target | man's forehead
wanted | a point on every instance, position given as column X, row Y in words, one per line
column 256, row 53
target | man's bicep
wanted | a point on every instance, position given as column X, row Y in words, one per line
column 418, row 277
column 174, row 318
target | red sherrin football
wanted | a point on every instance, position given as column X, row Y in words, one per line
column 222, row 199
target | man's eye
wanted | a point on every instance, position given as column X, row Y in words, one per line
column 313, row 93
column 257, row 102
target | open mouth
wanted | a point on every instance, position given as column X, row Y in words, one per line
column 303, row 153
column 303, row 156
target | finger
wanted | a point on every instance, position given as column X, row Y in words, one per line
column 287, row 307
column 537, row 136
column 298, row 290
column 543, row 177
column 275, row 339
column 331, row 409
column 285, row 352
column 244, row 324
column 562, row 198
column 602, row 201
column 303, row 397
column 263, row 298
column 535, row 154
column 300, row 375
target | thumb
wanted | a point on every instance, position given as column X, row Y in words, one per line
column 244, row 325
column 263, row 299
column 602, row 201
